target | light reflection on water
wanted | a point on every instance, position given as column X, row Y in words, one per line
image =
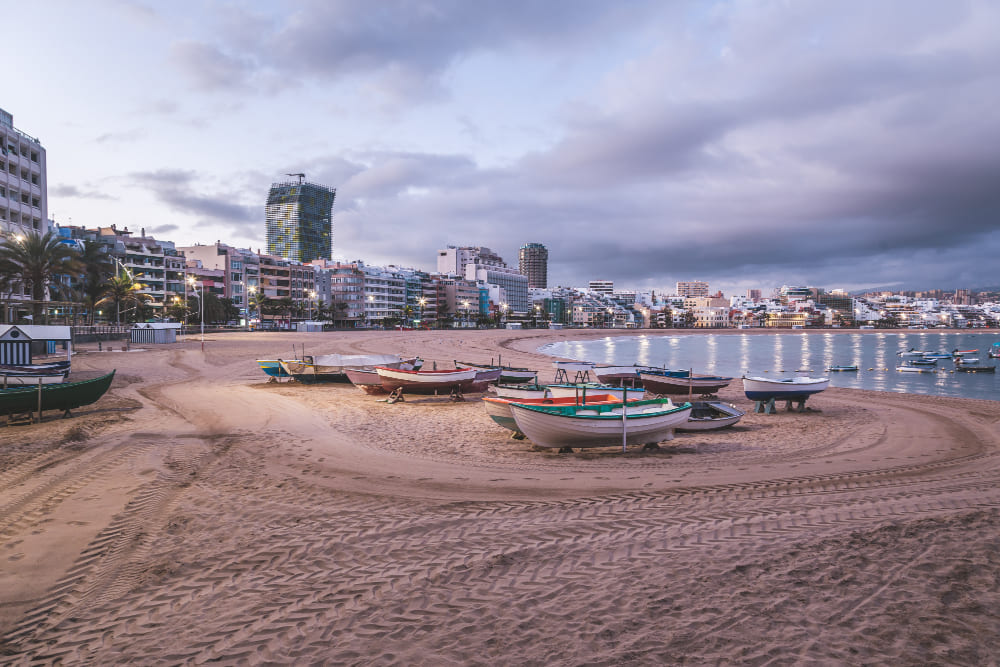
column 875, row 354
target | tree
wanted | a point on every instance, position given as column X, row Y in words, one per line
column 98, row 267
column 122, row 291
column 37, row 259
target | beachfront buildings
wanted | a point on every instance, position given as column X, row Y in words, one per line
column 23, row 191
column 240, row 267
column 533, row 262
column 299, row 220
column 692, row 288
column 508, row 287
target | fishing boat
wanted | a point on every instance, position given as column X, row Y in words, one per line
column 940, row 354
column 973, row 365
column 911, row 368
column 963, row 353
column 584, row 388
column 60, row 396
column 499, row 408
column 621, row 375
column 367, row 381
column 333, row 367
column 44, row 368
column 842, row 369
column 711, row 415
column 18, row 379
column 994, row 352
column 568, row 426
column 273, row 367
column 682, row 382
column 784, row 389
column 520, row 390
column 912, row 353
column 923, row 361
column 426, row 382
column 508, row 374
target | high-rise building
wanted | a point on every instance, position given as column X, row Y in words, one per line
column 23, row 198
column 299, row 220
column 533, row 262
column 692, row 288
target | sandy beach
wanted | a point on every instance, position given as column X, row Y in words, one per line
column 199, row 513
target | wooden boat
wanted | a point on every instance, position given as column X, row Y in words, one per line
column 940, row 354
column 923, row 361
column 912, row 353
column 842, row 369
column 367, row 381
column 973, row 365
column 19, row 379
column 488, row 375
column 621, row 375
column 584, row 388
column 682, row 382
column 44, row 368
column 333, row 367
column 963, row 353
column 61, row 396
column 426, row 382
column 568, row 426
column 273, row 367
column 787, row 389
column 910, row 368
column 508, row 374
column 520, row 390
column 711, row 415
column 499, row 408
column 994, row 352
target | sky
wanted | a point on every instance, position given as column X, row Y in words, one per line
column 749, row 144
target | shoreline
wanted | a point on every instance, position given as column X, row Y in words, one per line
column 199, row 512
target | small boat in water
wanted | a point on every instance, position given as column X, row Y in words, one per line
column 682, row 382
column 786, row 389
column 973, row 365
column 569, row 426
column 962, row 353
column 842, row 369
column 911, row 368
column 711, row 415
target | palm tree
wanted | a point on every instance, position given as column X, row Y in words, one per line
column 38, row 259
column 122, row 291
column 98, row 267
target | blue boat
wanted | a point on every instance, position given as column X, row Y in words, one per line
column 788, row 389
column 272, row 367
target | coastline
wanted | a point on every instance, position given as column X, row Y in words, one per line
column 199, row 512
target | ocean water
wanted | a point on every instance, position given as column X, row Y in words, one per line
column 875, row 353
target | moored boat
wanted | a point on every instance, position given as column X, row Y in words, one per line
column 682, row 382
column 994, row 352
column 973, row 365
column 427, row 382
column 711, row 415
column 910, row 368
column 842, row 369
column 569, row 426
column 784, row 389
column 508, row 374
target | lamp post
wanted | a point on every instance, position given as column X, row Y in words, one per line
column 312, row 295
column 503, row 315
column 422, row 301
column 251, row 298
column 368, row 310
column 201, row 308
column 465, row 306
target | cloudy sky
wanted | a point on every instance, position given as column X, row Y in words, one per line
column 749, row 144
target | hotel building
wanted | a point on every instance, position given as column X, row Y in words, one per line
column 299, row 220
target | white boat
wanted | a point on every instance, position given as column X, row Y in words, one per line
column 566, row 390
column 426, row 382
column 520, row 390
column 912, row 352
column 507, row 374
column 568, row 426
column 711, row 415
column 19, row 379
column 784, row 389
column 682, row 382
column 908, row 368
column 499, row 408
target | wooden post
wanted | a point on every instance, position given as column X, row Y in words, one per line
column 39, row 399
column 624, row 417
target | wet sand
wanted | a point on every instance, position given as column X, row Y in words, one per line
column 200, row 513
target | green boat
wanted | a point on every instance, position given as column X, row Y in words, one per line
column 62, row 396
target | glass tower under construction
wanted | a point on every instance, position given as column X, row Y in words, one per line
column 300, row 221
column 533, row 261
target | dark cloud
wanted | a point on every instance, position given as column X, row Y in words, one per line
column 183, row 191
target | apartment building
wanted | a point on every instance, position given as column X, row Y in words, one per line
column 23, row 192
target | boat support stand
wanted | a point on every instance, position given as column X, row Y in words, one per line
column 767, row 407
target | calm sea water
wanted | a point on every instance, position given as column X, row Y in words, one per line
column 874, row 353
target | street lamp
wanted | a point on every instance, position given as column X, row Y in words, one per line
column 201, row 306
column 503, row 314
column 421, row 301
column 368, row 311
column 465, row 305
column 312, row 295
column 251, row 298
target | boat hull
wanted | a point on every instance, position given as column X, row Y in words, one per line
column 762, row 389
column 18, row 379
column 711, row 416
column 573, row 390
column 367, row 381
column 60, row 396
column 428, row 382
column 508, row 375
column 599, row 426
column 499, row 408
column 621, row 375
column 521, row 391
column 679, row 383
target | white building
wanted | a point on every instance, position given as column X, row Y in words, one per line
column 453, row 260
column 23, row 194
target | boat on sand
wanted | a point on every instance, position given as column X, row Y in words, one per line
column 499, row 408
column 711, row 416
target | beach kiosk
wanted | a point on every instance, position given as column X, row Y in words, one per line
column 20, row 344
column 152, row 333
column 309, row 326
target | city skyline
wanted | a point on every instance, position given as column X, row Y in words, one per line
column 747, row 145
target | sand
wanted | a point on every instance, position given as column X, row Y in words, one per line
column 199, row 513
